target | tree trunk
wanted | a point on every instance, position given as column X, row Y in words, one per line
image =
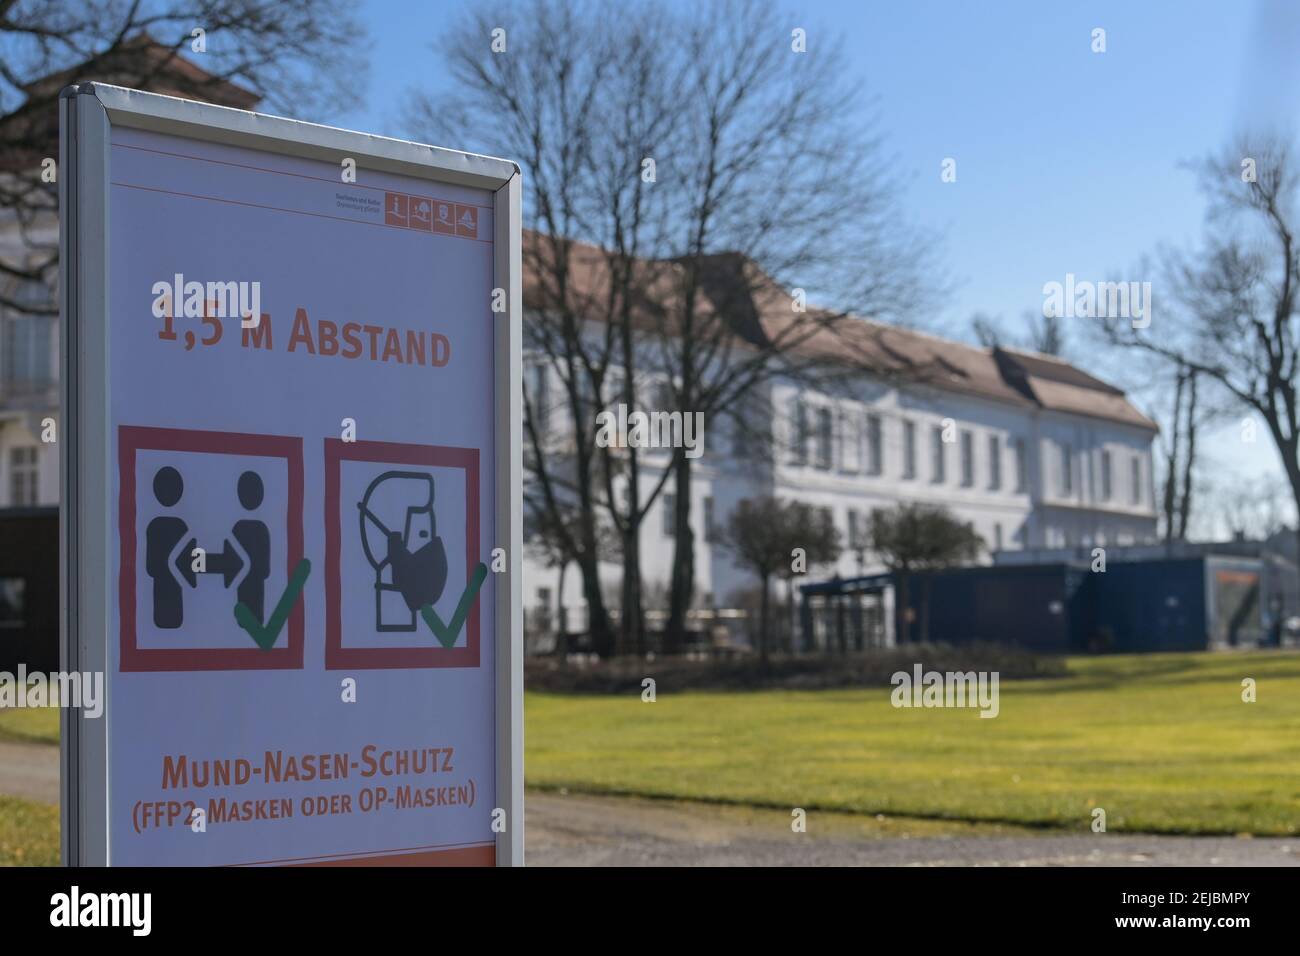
column 598, row 626
column 633, row 612
column 1294, row 476
column 762, row 621
column 682, row 587
column 1171, row 461
column 633, row 619
column 1189, row 460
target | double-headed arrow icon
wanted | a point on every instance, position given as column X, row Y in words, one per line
column 228, row 563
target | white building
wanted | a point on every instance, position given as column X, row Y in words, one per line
column 1032, row 451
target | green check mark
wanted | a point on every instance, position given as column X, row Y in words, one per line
column 447, row 633
column 266, row 636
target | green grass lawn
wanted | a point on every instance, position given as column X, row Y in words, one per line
column 37, row 725
column 29, row 833
column 1163, row 743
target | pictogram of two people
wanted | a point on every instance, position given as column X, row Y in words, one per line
column 251, row 549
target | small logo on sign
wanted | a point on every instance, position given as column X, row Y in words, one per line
column 466, row 221
column 421, row 214
column 444, row 218
column 395, row 208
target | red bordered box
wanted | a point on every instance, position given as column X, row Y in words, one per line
column 337, row 656
column 132, row 438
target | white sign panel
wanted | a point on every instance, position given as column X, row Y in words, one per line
column 304, row 495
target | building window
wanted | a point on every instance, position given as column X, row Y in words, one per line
column 1105, row 475
column 937, row 458
column 857, row 447
column 967, row 459
column 825, row 437
column 1022, row 465
column 850, row 441
column 708, row 519
column 995, row 463
column 670, row 515
column 855, row 531
column 875, row 452
column 1067, row 470
column 997, row 537
column 26, row 352
column 799, row 445
column 27, row 341
column 23, row 473
column 1137, row 480
column 909, row 450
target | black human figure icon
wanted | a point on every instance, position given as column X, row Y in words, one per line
column 253, row 537
column 161, row 536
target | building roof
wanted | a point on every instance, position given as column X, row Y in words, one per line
column 31, row 131
column 1056, row 385
column 758, row 312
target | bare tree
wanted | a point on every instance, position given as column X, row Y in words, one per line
column 773, row 167
column 294, row 54
column 1227, row 315
column 1183, row 401
column 1187, row 416
column 578, row 99
column 667, row 154
column 638, row 112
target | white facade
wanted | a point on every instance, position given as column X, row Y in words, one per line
column 1000, row 465
column 29, row 384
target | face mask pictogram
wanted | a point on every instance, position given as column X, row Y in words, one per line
column 400, row 540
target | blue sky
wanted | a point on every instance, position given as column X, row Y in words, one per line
column 1067, row 160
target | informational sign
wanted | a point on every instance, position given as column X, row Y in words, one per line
column 291, row 514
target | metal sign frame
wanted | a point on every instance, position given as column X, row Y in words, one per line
column 87, row 112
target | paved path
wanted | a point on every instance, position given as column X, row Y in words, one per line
column 30, row 771
column 614, row 831
column 574, row 830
